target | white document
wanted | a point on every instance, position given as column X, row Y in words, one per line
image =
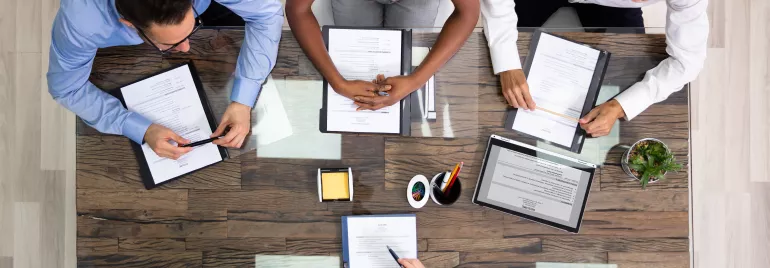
column 369, row 237
column 362, row 55
column 559, row 80
column 272, row 121
column 171, row 99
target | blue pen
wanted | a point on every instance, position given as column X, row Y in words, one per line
column 393, row 253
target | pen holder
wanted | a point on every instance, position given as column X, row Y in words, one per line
column 451, row 195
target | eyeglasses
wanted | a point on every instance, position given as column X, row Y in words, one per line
column 198, row 24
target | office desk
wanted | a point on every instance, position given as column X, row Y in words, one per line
column 264, row 200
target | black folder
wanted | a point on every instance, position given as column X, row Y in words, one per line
column 144, row 168
column 406, row 65
column 593, row 92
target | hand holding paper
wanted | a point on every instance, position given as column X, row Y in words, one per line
column 600, row 120
column 516, row 90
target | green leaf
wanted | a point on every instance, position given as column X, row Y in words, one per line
column 650, row 161
column 637, row 159
column 645, row 179
column 636, row 167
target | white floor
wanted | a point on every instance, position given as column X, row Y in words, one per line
column 730, row 120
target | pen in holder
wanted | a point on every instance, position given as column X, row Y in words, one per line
column 449, row 196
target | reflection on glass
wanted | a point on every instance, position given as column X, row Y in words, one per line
column 287, row 122
column 288, row 261
column 272, row 122
column 594, row 149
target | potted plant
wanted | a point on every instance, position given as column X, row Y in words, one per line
column 648, row 160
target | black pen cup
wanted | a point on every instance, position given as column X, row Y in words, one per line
column 450, row 196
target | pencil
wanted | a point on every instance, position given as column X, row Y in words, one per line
column 558, row 114
column 454, row 178
column 451, row 175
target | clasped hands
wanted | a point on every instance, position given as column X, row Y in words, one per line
column 366, row 94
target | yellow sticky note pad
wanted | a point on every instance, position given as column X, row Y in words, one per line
column 334, row 185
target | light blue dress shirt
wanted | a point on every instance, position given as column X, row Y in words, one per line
column 83, row 26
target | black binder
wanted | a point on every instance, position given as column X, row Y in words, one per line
column 593, row 92
column 406, row 65
column 144, row 168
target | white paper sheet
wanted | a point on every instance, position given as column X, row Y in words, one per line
column 559, row 80
column 361, row 55
column 171, row 99
column 272, row 121
column 368, row 238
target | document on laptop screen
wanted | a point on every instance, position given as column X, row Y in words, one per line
column 559, row 80
column 361, row 55
column 171, row 99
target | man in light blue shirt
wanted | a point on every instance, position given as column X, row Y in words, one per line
column 83, row 26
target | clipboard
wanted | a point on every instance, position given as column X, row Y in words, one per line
column 406, row 65
column 602, row 62
column 144, row 168
column 345, row 252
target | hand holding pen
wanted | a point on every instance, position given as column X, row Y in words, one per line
column 202, row 142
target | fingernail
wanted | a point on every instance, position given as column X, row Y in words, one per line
column 388, row 87
column 357, row 98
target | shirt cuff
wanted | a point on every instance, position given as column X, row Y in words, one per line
column 505, row 57
column 245, row 91
column 135, row 126
column 635, row 100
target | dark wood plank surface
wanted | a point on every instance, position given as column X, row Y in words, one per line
column 225, row 214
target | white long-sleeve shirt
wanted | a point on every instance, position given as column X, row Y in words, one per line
column 687, row 30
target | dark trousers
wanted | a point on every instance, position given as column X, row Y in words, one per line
column 218, row 15
column 534, row 13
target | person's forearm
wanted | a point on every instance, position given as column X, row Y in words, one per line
column 257, row 57
column 304, row 26
column 455, row 32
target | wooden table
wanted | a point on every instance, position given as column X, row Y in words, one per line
column 223, row 215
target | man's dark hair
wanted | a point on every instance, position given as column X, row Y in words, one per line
column 143, row 13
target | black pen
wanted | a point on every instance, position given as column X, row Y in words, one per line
column 201, row 142
column 435, row 186
column 395, row 257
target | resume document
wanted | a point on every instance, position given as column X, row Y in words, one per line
column 171, row 99
column 362, row 55
column 369, row 236
column 559, row 80
column 534, row 186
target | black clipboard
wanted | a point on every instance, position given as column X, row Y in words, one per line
column 406, row 65
column 144, row 168
column 593, row 91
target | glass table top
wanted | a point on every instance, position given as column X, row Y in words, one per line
column 468, row 100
